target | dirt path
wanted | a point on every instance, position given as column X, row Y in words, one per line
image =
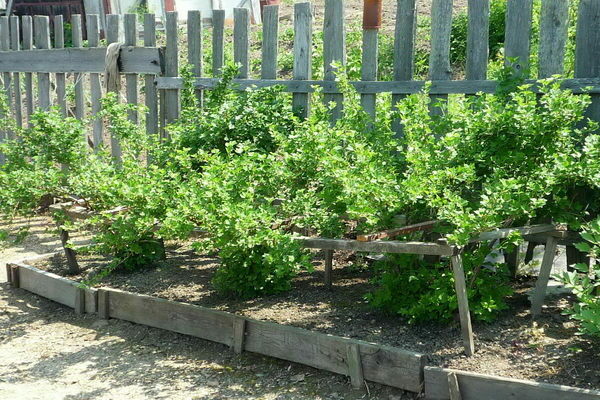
column 50, row 353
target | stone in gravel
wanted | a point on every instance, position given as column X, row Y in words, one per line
column 297, row 378
column 212, row 383
column 101, row 323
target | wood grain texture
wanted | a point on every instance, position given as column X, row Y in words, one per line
column 194, row 37
column 334, row 50
column 473, row 385
column 41, row 28
column 390, row 246
column 76, row 25
column 454, row 388
column 151, row 93
column 48, row 285
column 241, row 31
column 303, row 27
column 15, row 45
column 131, row 80
column 103, row 307
column 218, row 41
column 93, row 36
column 404, row 49
column 268, row 68
column 171, row 97
column 59, row 43
column 369, row 68
column 355, row 368
column 554, row 25
column 439, row 57
column 478, row 39
column 542, row 281
column 239, row 334
column 27, row 44
column 518, row 34
column 91, row 300
column 463, row 305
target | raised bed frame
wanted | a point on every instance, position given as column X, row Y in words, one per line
column 354, row 358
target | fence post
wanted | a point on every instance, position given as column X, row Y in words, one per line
column 28, row 45
column 269, row 42
column 334, row 50
column 131, row 80
column 78, row 42
column 42, row 40
column 171, row 96
column 439, row 58
column 478, row 39
column 149, row 86
column 241, row 28
column 6, row 76
column 113, row 33
column 369, row 68
column 218, row 38
column 15, row 46
column 194, row 34
column 302, row 54
column 59, row 43
column 518, row 32
column 93, row 36
column 554, row 25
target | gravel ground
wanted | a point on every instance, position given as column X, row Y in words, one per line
column 49, row 353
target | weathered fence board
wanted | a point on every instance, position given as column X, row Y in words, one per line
column 554, row 24
column 171, row 97
column 478, row 39
column 15, row 45
column 151, row 95
column 131, row 80
column 334, row 49
column 475, row 386
column 390, row 246
column 59, row 43
column 93, row 36
column 241, row 31
column 518, row 33
column 303, row 24
column 439, row 58
column 48, row 285
column 218, row 41
column 79, row 77
column 268, row 68
column 41, row 30
column 194, row 38
column 27, row 31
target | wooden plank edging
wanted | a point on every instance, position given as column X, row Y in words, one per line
column 475, row 386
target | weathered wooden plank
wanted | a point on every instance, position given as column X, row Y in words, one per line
column 439, row 57
column 518, row 34
column 171, row 97
column 79, row 305
column 355, row 368
column 542, row 281
column 404, row 48
column 239, row 334
column 131, row 80
column 27, row 31
column 579, row 85
column 382, row 364
column 328, row 268
column 15, row 278
column 79, row 60
column 194, row 36
column 91, row 300
column 390, row 233
column 59, row 43
column 15, row 45
column 473, row 385
column 93, row 36
column 218, row 41
column 334, row 49
column 554, row 24
column 103, row 299
column 390, row 246
column 178, row 317
column 369, row 68
column 48, row 285
column 523, row 230
column 268, row 68
column 478, row 39
column 8, row 273
column 587, row 51
column 241, row 29
column 41, row 29
column 454, row 388
column 77, row 30
column 151, row 98
column 113, row 34
column 463, row 305
column 6, row 76
column 303, row 25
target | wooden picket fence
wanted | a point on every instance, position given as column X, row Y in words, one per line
column 26, row 49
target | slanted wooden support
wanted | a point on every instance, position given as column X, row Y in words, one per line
column 404, row 49
column 42, row 41
column 59, row 43
column 241, row 31
column 77, row 27
column 93, row 36
column 269, row 43
column 15, row 45
column 542, row 282
column 70, row 254
column 355, row 367
column 439, row 58
column 328, row 268
column 463, row 305
column 334, row 49
column 303, row 18
column 239, row 334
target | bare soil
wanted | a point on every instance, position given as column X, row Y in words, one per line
column 513, row 346
column 50, row 353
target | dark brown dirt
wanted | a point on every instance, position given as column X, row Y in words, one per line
column 513, row 346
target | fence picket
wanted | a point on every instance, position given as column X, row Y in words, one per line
column 241, row 28
column 171, row 97
column 302, row 54
column 15, row 46
column 587, row 51
column 334, row 49
column 93, row 36
column 194, row 34
column 149, row 86
column 269, row 42
column 218, row 41
column 41, row 28
column 404, row 49
column 6, row 76
column 369, row 68
column 27, row 26
column 518, row 32
column 478, row 39
column 79, row 78
column 439, row 58
column 113, row 32
column 131, row 80
column 59, row 43
column 554, row 24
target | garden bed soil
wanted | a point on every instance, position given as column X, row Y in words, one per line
column 513, row 346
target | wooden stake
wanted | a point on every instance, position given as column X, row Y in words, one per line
column 463, row 304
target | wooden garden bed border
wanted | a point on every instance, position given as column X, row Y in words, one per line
column 354, row 358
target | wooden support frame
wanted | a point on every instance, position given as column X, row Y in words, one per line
column 542, row 281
